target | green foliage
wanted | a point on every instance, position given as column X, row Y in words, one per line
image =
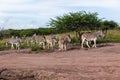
column 111, row 36
column 109, row 24
column 23, row 45
column 76, row 21
column 74, row 40
column 27, row 32
column 3, row 46
column 37, row 48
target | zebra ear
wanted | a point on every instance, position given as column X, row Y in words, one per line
column 104, row 31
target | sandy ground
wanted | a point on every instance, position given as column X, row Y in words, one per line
column 101, row 63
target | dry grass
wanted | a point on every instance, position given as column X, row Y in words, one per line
column 111, row 36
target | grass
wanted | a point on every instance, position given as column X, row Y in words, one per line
column 36, row 48
column 24, row 45
column 111, row 36
column 3, row 46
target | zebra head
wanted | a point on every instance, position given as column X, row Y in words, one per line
column 101, row 33
column 68, row 38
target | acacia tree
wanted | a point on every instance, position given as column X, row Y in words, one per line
column 110, row 24
column 76, row 21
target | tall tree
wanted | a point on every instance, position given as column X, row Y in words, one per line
column 110, row 24
column 76, row 21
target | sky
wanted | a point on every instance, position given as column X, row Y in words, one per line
column 25, row 14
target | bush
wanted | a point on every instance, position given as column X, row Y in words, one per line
column 75, row 40
column 3, row 47
column 37, row 48
column 24, row 44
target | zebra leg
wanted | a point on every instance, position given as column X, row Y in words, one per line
column 87, row 44
column 43, row 45
column 6, row 43
column 65, row 47
column 60, row 47
column 82, row 43
column 18, row 45
column 48, row 45
column 51, row 45
column 12, row 46
column 94, row 44
column 28, row 43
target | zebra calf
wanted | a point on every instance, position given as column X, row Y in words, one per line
column 51, row 41
column 92, row 36
column 63, row 41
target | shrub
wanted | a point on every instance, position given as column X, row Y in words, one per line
column 37, row 48
column 23, row 45
column 3, row 47
column 75, row 40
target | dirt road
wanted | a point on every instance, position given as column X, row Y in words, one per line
column 101, row 63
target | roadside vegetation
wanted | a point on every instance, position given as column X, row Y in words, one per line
column 74, row 23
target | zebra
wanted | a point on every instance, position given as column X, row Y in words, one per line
column 91, row 36
column 54, row 40
column 31, row 40
column 40, row 40
column 51, row 41
column 15, row 41
column 63, row 41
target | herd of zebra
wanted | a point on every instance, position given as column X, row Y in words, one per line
column 53, row 40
